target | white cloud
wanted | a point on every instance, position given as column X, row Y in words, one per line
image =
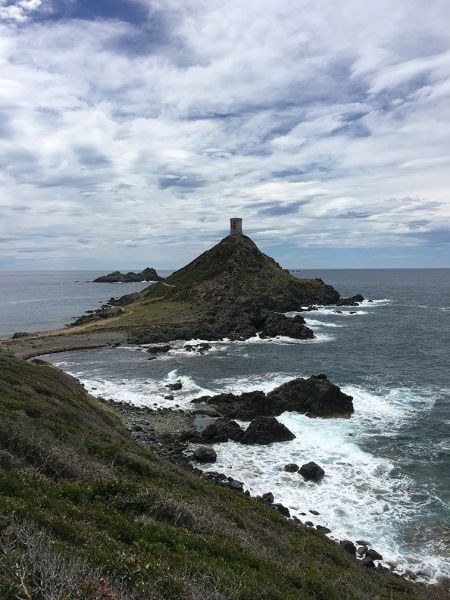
column 137, row 144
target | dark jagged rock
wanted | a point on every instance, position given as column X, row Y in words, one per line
column 282, row 509
column 222, row 430
column 267, row 497
column 147, row 274
column 205, row 455
column 311, row 472
column 265, row 430
column 278, row 324
column 323, row 529
column 368, row 562
column 348, row 546
column 159, row 349
column 315, row 397
column 373, row 554
column 174, row 386
column 352, row 301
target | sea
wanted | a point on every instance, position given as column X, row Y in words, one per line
column 387, row 467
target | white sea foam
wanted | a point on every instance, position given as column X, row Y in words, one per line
column 265, row 383
column 360, row 496
column 317, row 323
column 148, row 392
column 283, row 340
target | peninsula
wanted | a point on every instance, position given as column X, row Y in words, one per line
column 231, row 291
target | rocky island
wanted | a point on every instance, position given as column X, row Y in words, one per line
column 231, row 291
column 147, row 274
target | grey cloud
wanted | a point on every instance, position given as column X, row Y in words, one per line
column 91, row 157
column 184, row 182
column 354, row 215
column 282, row 208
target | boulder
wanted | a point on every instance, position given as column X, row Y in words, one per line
column 361, row 550
column 348, row 546
column 311, row 472
column 265, row 430
column 368, row 562
column 282, row 509
column 291, row 468
column 268, row 498
column 204, row 454
column 222, row 430
column 323, row 529
column 373, row 554
column 233, row 484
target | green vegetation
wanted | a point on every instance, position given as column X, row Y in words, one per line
column 86, row 513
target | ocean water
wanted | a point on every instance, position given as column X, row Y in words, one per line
column 387, row 467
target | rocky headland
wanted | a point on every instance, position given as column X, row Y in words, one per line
column 232, row 291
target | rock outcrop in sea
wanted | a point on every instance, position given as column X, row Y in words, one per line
column 147, row 274
column 314, row 397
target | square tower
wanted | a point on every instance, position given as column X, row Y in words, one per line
column 236, row 226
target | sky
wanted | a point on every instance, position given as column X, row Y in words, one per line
column 132, row 130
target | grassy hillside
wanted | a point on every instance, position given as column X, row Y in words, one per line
column 86, row 513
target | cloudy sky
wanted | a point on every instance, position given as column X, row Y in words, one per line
column 131, row 130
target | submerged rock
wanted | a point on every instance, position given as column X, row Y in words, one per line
column 291, row 468
column 199, row 348
column 161, row 349
column 174, row 386
column 311, row 472
column 265, row 430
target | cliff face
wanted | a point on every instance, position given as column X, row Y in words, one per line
column 85, row 512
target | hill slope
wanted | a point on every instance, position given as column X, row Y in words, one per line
column 86, row 513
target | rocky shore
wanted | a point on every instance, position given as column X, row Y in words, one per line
column 186, row 439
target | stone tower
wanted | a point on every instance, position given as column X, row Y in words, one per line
column 236, row 226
